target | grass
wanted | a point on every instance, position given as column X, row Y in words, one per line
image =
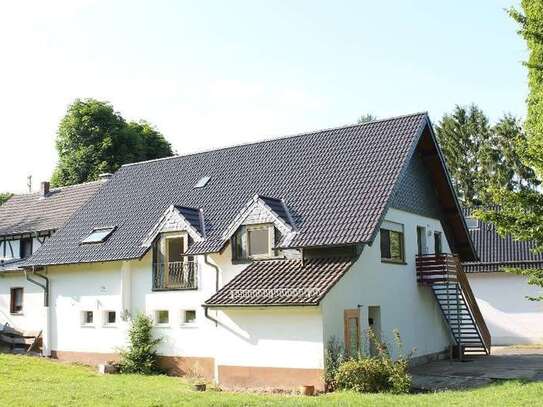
column 26, row 381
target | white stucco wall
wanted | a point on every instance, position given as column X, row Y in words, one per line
column 510, row 316
column 31, row 318
column 405, row 305
column 85, row 287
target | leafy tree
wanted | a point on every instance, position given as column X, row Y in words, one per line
column 92, row 139
column 480, row 156
column 4, row 197
column 521, row 212
column 367, row 117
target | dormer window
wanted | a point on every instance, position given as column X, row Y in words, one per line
column 172, row 269
column 98, row 235
column 472, row 223
column 254, row 242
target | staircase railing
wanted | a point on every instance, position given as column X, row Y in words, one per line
column 446, row 269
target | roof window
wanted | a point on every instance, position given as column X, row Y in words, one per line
column 202, row 182
column 472, row 223
column 98, row 235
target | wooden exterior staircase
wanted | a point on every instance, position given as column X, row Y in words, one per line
column 444, row 275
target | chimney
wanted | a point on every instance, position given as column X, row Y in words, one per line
column 44, row 189
column 105, row 176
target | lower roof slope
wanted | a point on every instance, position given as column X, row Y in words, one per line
column 496, row 252
column 28, row 213
column 336, row 184
column 282, row 282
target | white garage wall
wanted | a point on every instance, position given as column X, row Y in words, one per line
column 510, row 316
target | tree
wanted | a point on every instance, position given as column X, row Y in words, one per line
column 4, row 197
column 480, row 156
column 462, row 135
column 92, row 139
column 365, row 118
column 520, row 212
column 141, row 357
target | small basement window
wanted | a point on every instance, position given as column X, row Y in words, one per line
column 162, row 317
column 189, row 317
column 87, row 318
column 110, row 318
column 16, row 300
column 392, row 242
column 98, row 235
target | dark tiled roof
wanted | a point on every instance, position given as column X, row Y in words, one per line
column 279, row 208
column 31, row 213
column 496, row 252
column 194, row 217
column 282, row 282
column 336, row 184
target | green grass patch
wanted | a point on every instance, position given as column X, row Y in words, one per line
column 27, row 381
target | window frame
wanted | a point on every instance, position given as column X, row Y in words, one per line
column 240, row 253
column 388, row 228
column 157, row 318
column 110, row 230
column 105, row 316
column 84, row 314
column 184, row 322
column 13, row 300
column 30, row 242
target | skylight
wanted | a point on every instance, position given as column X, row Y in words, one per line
column 202, row 182
column 472, row 223
column 98, row 235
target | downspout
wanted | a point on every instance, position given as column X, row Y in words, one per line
column 206, row 309
column 46, row 351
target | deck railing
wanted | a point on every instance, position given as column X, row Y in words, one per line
column 180, row 275
column 447, row 269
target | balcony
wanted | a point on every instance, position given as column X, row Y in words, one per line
column 180, row 275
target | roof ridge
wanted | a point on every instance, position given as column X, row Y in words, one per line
column 272, row 139
column 62, row 188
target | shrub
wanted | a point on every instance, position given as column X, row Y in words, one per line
column 334, row 356
column 373, row 374
column 141, row 356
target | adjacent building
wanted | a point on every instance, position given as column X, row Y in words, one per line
column 503, row 297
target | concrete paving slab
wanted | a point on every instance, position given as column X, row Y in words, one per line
column 504, row 364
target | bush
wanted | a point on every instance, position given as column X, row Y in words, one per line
column 374, row 374
column 141, row 356
column 334, row 356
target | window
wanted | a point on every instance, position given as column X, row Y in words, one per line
column 98, row 235
column 87, row 318
column 392, row 242
column 16, row 300
column 162, row 317
column 110, row 318
column 25, row 248
column 202, row 182
column 253, row 242
column 352, row 331
column 438, row 245
column 175, row 249
column 472, row 223
column 189, row 317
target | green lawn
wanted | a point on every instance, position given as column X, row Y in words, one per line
column 26, row 381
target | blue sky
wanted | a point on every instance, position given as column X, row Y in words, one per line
column 216, row 73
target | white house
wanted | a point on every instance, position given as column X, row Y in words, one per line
column 250, row 259
column 26, row 222
column 503, row 297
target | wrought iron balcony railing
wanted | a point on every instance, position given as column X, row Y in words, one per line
column 180, row 275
